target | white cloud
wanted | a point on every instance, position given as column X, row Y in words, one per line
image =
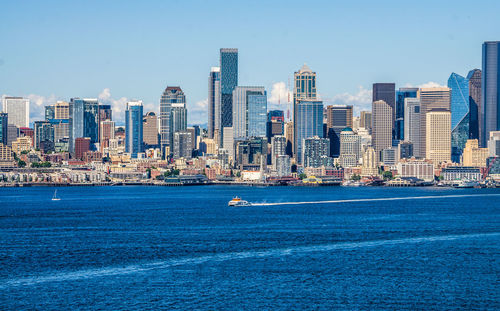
column 117, row 105
column 278, row 98
column 362, row 100
column 425, row 85
column 198, row 112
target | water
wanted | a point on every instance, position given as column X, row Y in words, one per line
column 135, row 248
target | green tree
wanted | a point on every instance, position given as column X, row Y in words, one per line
column 387, row 175
column 302, row 176
column 356, row 177
column 21, row 163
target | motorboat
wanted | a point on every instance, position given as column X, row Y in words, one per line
column 466, row 184
column 238, row 202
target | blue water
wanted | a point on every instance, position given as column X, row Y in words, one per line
column 135, row 248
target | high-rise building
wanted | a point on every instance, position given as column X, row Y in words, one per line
column 304, row 89
column 288, row 132
column 490, row 99
column 283, row 166
column 228, row 81
column 278, row 148
column 183, row 145
column 12, row 134
column 44, row 135
column 82, row 145
column 475, row 122
column 150, row 129
column 473, row 155
column 381, row 126
column 105, row 112
column 214, row 117
column 83, row 121
column 173, row 115
column 61, row 110
column 275, row 123
column 18, row 109
column 315, row 150
column 401, row 95
column 438, row 138
column 308, row 123
column 250, row 153
column 405, row 150
column 387, row 93
column 412, row 124
column 365, row 120
column 350, row 148
column 50, row 112
column 431, row 98
column 370, row 162
column 249, row 111
column 133, row 128
column 106, row 132
column 338, row 118
column 228, row 142
column 494, row 144
column 460, row 114
column 4, row 121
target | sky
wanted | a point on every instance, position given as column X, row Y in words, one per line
column 122, row 50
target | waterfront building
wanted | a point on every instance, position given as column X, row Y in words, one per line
column 494, row 144
column 83, row 121
column 278, row 148
column 387, row 93
column 304, row 91
column 412, row 124
column 183, row 145
column 82, row 145
column 381, row 126
column 421, row 169
column 475, row 122
column 249, row 111
column 21, row 144
column 150, row 130
column 4, row 121
column 438, row 136
column 338, row 117
column 18, row 109
column 455, row 173
column 473, row 155
column 315, row 150
column 214, row 101
column 493, row 167
column 350, row 148
column 431, row 98
column 308, row 123
column 370, row 162
column 490, row 99
column 365, row 120
column 228, row 82
column 133, row 128
column 401, row 95
column 173, row 115
column 283, row 166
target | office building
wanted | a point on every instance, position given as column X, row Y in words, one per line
column 421, row 169
column 214, row 101
column 173, row 115
column 275, row 123
column 431, row 98
column 133, row 128
column 304, row 90
column 405, row 150
column 49, row 112
column 283, row 166
column 475, row 122
column 473, row 155
column 381, row 126
column 249, row 112
column 438, row 138
column 308, row 123
column 18, row 109
column 105, row 113
column 402, row 94
column 494, row 144
column 228, row 82
column 452, row 174
column 44, row 135
column 12, row 134
column 387, row 93
column 82, row 145
column 83, row 121
column 316, row 149
column 365, row 120
column 350, row 148
column 150, row 130
column 460, row 114
column 388, row 156
column 288, row 132
column 412, row 124
column 4, row 121
column 490, row 99
column 183, row 145
column 228, row 142
column 106, row 132
column 338, row 117
column 370, row 162
column 278, row 148
column 61, row 110
column 21, row 144
column 251, row 153
column 6, row 157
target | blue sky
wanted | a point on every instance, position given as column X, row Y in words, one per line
column 120, row 50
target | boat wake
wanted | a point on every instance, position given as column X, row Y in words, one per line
column 376, row 199
column 279, row 252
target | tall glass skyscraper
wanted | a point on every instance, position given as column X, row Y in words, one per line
column 401, row 94
column 133, row 128
column 387, row 93
column 3, row 127
column 308, row 123
column 249, row 112
column 213, row 102
column 460, row 117
column 228, row 81
column 490, row 112
column 474, row 78
column 83, row 121
column 172, row 106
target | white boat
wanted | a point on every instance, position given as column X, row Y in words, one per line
column 238, row 202
column 466, row 184
column 55, row 198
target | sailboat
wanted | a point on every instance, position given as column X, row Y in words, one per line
column 55, row 198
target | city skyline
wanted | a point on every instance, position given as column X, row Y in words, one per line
column 120, row 73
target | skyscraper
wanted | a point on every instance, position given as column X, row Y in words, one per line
column 105, row 112
column 401, row 95
column 172, row 97
column 338, row 117
column 431, row 98
column 133, row 128
column 490, row 99
column 249, row 111
column 308, row 123
column 438, row 139
column 4, row 120
column 183, row 144
column 61, row 110
column 150, row 129
column 412, row 124
column 350, row 148
column 475, row 122
column 278, row 148
column 228, row 81
column 315, row 149
column 381, row 126
column 460, row 114
column 106, row 132
column 387, row 93
column 213, row 101
column 18, row 109
column 83, row 121
column 365, row 120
